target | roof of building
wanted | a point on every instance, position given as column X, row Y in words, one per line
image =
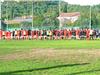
column 19, row 20
column 72, row 14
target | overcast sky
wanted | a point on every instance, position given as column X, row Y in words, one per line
column 83, row 2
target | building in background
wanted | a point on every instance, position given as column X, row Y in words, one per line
column 65, row 18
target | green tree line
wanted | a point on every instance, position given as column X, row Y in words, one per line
column 45, row 13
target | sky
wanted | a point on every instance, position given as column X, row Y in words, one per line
column 83, row 2
column 80, row 2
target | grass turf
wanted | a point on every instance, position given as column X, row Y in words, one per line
column 43, row 66
column 19, row 45
column 50, row 44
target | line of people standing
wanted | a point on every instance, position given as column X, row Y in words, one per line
column 50, row 34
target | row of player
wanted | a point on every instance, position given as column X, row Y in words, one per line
column 50, row 34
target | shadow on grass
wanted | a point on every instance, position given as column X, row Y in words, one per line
column 90, row 71
column 40, row 69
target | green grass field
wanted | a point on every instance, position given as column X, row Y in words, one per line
column 50, row 57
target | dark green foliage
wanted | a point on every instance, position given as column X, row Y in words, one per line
column 26, row 25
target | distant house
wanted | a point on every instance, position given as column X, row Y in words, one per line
column 18, row 20
column 66, row 17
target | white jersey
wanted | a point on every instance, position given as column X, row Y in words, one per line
column 3, row 33
column 91, row 32
column 47, row 32
column 24, row 32
column 15, row 32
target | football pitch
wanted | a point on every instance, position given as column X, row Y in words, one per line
column 49, row 57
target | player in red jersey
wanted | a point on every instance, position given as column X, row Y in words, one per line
column 65, row 34
column 37, row 35
column 26, row 37
column 56, row 34
column 6, row 35
column 9, row 35
column 32, row 34
column 87, row 34
column 69, row 34
column 0, row 34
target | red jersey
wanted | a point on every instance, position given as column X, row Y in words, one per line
column 37, row 33
column 57, row 33
column 32, row 33
column 0, row 33
column 69, row 33
column 87, row 32
column 65, row 32
column 9, row 34
column 77, row 32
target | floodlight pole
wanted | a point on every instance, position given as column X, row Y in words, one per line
column 59, row 16
column 32, row 14
column 6, row 14
column 90, row 18
column 0, row 14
